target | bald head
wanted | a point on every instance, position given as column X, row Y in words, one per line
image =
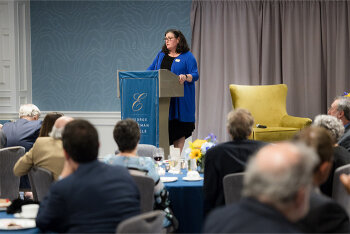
column 60, row 123
column 278, row 173
column 277, row 158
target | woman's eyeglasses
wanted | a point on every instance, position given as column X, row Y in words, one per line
column 168, row 38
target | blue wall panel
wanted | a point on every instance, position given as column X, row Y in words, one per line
column 78, row 46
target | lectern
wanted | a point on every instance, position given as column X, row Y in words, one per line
column 145, row 97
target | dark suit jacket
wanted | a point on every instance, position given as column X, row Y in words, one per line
column 345, row 140
column 223, row 159
column 341, row 158
column 325, row 216
column 248, row 216
column 95, row 198
column 22, row 133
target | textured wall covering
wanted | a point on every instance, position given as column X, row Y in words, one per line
column 77, row 47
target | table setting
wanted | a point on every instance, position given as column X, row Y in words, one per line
column 184, row 182
column 23, row 222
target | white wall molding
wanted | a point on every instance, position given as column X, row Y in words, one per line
column 15, row 55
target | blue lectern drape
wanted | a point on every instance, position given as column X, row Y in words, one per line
column 139, row 97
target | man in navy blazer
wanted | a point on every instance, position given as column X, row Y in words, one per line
column 276, row 192
column 340, row 109
column 25, row 130
column 91, row 196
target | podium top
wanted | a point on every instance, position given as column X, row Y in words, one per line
column 169, row 85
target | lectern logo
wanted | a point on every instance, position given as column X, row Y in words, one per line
column 137, row 104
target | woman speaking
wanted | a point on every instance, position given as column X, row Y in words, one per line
column 176, row 57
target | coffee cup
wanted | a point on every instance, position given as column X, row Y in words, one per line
column 193, row 174
column 29, row 211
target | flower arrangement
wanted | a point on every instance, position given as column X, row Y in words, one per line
column 346, row 94
column 199, row 147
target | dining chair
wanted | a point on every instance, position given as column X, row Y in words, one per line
column 150, row 222
column 233, row 185
column 145, row 150
column 339, row 193
column 145, row 185
column 40, row 181
column 9, row 183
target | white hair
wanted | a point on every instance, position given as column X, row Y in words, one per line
column 29, row 110
column 56, row 133
column 331, row 123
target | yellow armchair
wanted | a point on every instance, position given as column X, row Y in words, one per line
column 267, row 103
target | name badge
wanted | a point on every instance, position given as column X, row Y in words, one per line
column 177, row 60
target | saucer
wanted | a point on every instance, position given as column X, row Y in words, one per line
column 16, row 224
column 20, row 215
column 192, row 178
column 168, row 179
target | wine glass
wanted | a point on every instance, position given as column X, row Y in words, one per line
column 158, row 155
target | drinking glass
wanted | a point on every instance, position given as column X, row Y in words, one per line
column 158, row 155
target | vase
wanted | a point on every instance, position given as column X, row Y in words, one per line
column 200, row 165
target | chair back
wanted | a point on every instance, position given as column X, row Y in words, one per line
column 233, row 185
column 40, row 181
column 267, row 103
column 150, row 222
column 9, row 183
column 145, row 150
column 339, row 193
column 146, row 188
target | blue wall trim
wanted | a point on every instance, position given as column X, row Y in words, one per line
column 78, row 46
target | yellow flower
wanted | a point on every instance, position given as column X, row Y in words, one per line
column 348, row 95
column 197, row 144
column 195, row 153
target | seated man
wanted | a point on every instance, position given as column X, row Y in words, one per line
column 276, row 193
column 228, row 157
column 340, row 109
column 127, row 136
column 47, row 152
column 325, row 215
column 24, row 131
column 91, row 196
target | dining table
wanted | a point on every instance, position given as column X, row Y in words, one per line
column 186, row 198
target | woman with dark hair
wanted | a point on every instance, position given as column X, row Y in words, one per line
column 176, row 57
column 48, row 123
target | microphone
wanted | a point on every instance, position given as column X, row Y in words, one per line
column 261, row 126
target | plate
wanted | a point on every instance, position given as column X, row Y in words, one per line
column 19, row 215
column 5, row 204
column 192, row 178
column 168, row 179
column 18, row 224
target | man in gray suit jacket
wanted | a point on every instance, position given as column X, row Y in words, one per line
column 340, row 109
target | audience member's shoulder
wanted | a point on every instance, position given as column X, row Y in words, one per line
column 218, row 217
